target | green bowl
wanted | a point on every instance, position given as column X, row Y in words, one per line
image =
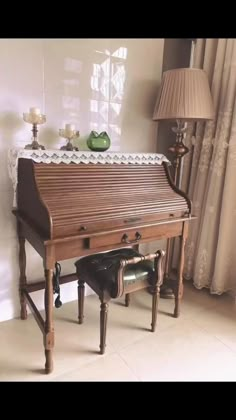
column 98, row 142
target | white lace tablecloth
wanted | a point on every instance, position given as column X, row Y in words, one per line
column 61, row 156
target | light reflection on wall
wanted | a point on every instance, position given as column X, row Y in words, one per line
column 71, row 103
column 107, row 84
column 102, row 112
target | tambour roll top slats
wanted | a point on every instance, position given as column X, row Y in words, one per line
column 87, row 198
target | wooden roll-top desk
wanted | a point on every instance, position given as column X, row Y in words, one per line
column 71, row 204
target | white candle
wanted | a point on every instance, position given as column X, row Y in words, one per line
column 69, row 127
column 35, row 111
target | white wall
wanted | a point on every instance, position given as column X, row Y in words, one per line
column 102, row 84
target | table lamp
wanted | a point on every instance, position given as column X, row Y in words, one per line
column 184, row 96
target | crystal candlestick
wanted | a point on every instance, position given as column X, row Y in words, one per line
column 35, row 118
column 70, row 134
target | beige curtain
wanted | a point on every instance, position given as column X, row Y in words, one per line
column 209, row 174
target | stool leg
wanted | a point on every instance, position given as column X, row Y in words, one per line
column 127, row 299
column 155, row 297
column 80, row 301
column 103, row 324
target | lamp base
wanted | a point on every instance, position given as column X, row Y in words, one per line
column 34, row 146
column 167, row 289
column 69, row 147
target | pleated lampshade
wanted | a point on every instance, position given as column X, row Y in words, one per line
column 184, row 95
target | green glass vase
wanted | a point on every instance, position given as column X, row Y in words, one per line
column 98, row 142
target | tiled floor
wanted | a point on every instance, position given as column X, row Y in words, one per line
column 198, row 346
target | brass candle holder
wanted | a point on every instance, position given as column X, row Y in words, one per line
column 70, row 134
column 35, row 118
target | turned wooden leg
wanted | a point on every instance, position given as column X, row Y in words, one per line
column 180, row 288
column 22, row 266
column 103, row 325
column 155, row 290
column 81, row 301
column 155, row 298
column 49, row 330
column 167, row 259
column 127, row 299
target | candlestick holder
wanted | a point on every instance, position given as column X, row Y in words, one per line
column 35, row 120
column 70, row 135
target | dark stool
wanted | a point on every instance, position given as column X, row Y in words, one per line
column 115, row 273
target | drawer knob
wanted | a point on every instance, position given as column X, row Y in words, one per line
column 82, row 229
column 125, row 238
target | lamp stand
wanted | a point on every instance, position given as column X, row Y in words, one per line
column 184, row 95
column 178, row 149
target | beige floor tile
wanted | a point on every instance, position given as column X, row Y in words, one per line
column 195, row 301
column 183, row 352
column 127, row 325
column 220, row 321
column 22, row 352
column 198, row 346
column 106, row 368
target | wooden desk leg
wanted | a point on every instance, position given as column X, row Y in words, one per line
column 180, row 287
column 127, row 299
column 22, row 266
column 49, row 329
column 155, row 290
column 167, row 259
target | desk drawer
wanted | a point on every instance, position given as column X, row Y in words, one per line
column 137, row 235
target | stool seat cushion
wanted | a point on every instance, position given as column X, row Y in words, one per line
column 103, row 268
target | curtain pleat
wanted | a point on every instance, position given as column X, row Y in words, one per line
column 209, row 174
